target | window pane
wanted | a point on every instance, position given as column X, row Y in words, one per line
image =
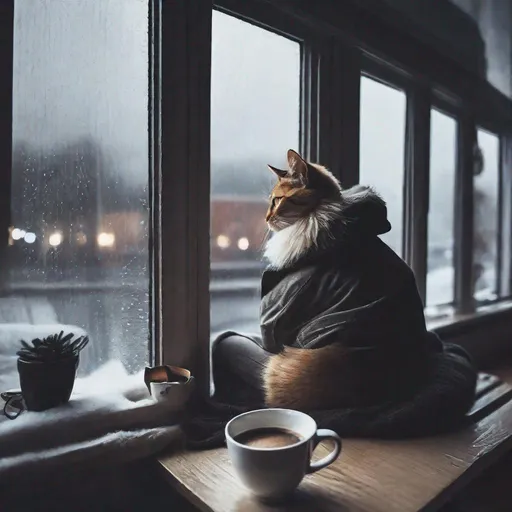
column 486, row 185
column 382, row 150
column 79, row 243
column 443, row 154
column 255, row 119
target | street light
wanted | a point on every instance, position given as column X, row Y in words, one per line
column 106, row 239
column 55, row 239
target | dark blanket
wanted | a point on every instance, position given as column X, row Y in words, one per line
column 438, row 406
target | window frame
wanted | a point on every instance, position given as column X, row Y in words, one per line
column 416, row 160
column 386, row 75
column 505, row 251
column 416, row 184
column 182, row 300
column 423, row 95
column 6, row 107
column 500, row 221
column 181, row 106
column 464, row 216
column 337, row 48
column 333, row 58
column 324, row 114
column 434, row 83
column 447, row 107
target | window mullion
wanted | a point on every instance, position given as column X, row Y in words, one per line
column 464, row 216
column 416, row 184
column 340, row 111
column 155, row 166
column 6, row 91
column 505, row 217
column 309, row 102
column 183, row 184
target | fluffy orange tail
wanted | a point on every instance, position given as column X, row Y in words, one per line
column 306, row 378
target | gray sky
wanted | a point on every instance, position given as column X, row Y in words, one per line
column 81, row 70
column 255, row 92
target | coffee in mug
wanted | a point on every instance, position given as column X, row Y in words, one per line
column 271, row 450
column 269, row 437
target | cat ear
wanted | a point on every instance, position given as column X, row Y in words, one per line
column 298, row 166
column 280, row 172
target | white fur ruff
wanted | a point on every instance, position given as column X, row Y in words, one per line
column 288, row 245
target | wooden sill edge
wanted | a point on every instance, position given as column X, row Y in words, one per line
column 454, row 324
column 477, row 467
column 170, row 478
column 448, row 327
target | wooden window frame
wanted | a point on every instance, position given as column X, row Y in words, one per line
column 6, row 105
column 337, row 49
column 333, row 58
column 182, row 179
column 448, row 106
column 181, row 184
column 505, row 248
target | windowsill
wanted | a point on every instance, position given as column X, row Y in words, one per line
column 110, row 417
column 450, row 325
column 431, row 470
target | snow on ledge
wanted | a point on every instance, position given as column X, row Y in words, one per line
column 110, row 416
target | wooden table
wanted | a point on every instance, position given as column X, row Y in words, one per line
column 376, row 476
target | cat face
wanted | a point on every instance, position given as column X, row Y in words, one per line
column 298, row 191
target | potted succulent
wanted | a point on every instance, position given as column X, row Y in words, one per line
column 47, row 369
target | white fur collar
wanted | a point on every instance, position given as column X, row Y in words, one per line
column 288, row 245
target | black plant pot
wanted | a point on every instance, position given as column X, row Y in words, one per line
column 47, row 385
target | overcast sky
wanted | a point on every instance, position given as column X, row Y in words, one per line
column 81, row 70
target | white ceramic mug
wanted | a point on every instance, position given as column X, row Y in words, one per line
column 174, row 394
column 170, row 384
column 274, row 473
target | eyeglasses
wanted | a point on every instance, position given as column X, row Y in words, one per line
column 14, row 403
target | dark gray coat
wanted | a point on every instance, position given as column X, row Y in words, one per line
column 352, row 289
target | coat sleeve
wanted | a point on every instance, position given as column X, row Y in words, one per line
column 282, row 311
column 298, row 301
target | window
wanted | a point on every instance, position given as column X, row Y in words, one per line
column 255, row 118
column 443, row 154
column 79, row 240
column 485, row 243
column 382, row 150
column 86, row 79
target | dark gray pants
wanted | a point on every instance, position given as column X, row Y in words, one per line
column 238, row 361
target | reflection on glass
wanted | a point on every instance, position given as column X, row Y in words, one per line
column 485, row 244
column 382, row 150
column 79, row 241
column 443, row 154
column 255, row 120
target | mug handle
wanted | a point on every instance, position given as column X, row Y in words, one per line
column 322, row 434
